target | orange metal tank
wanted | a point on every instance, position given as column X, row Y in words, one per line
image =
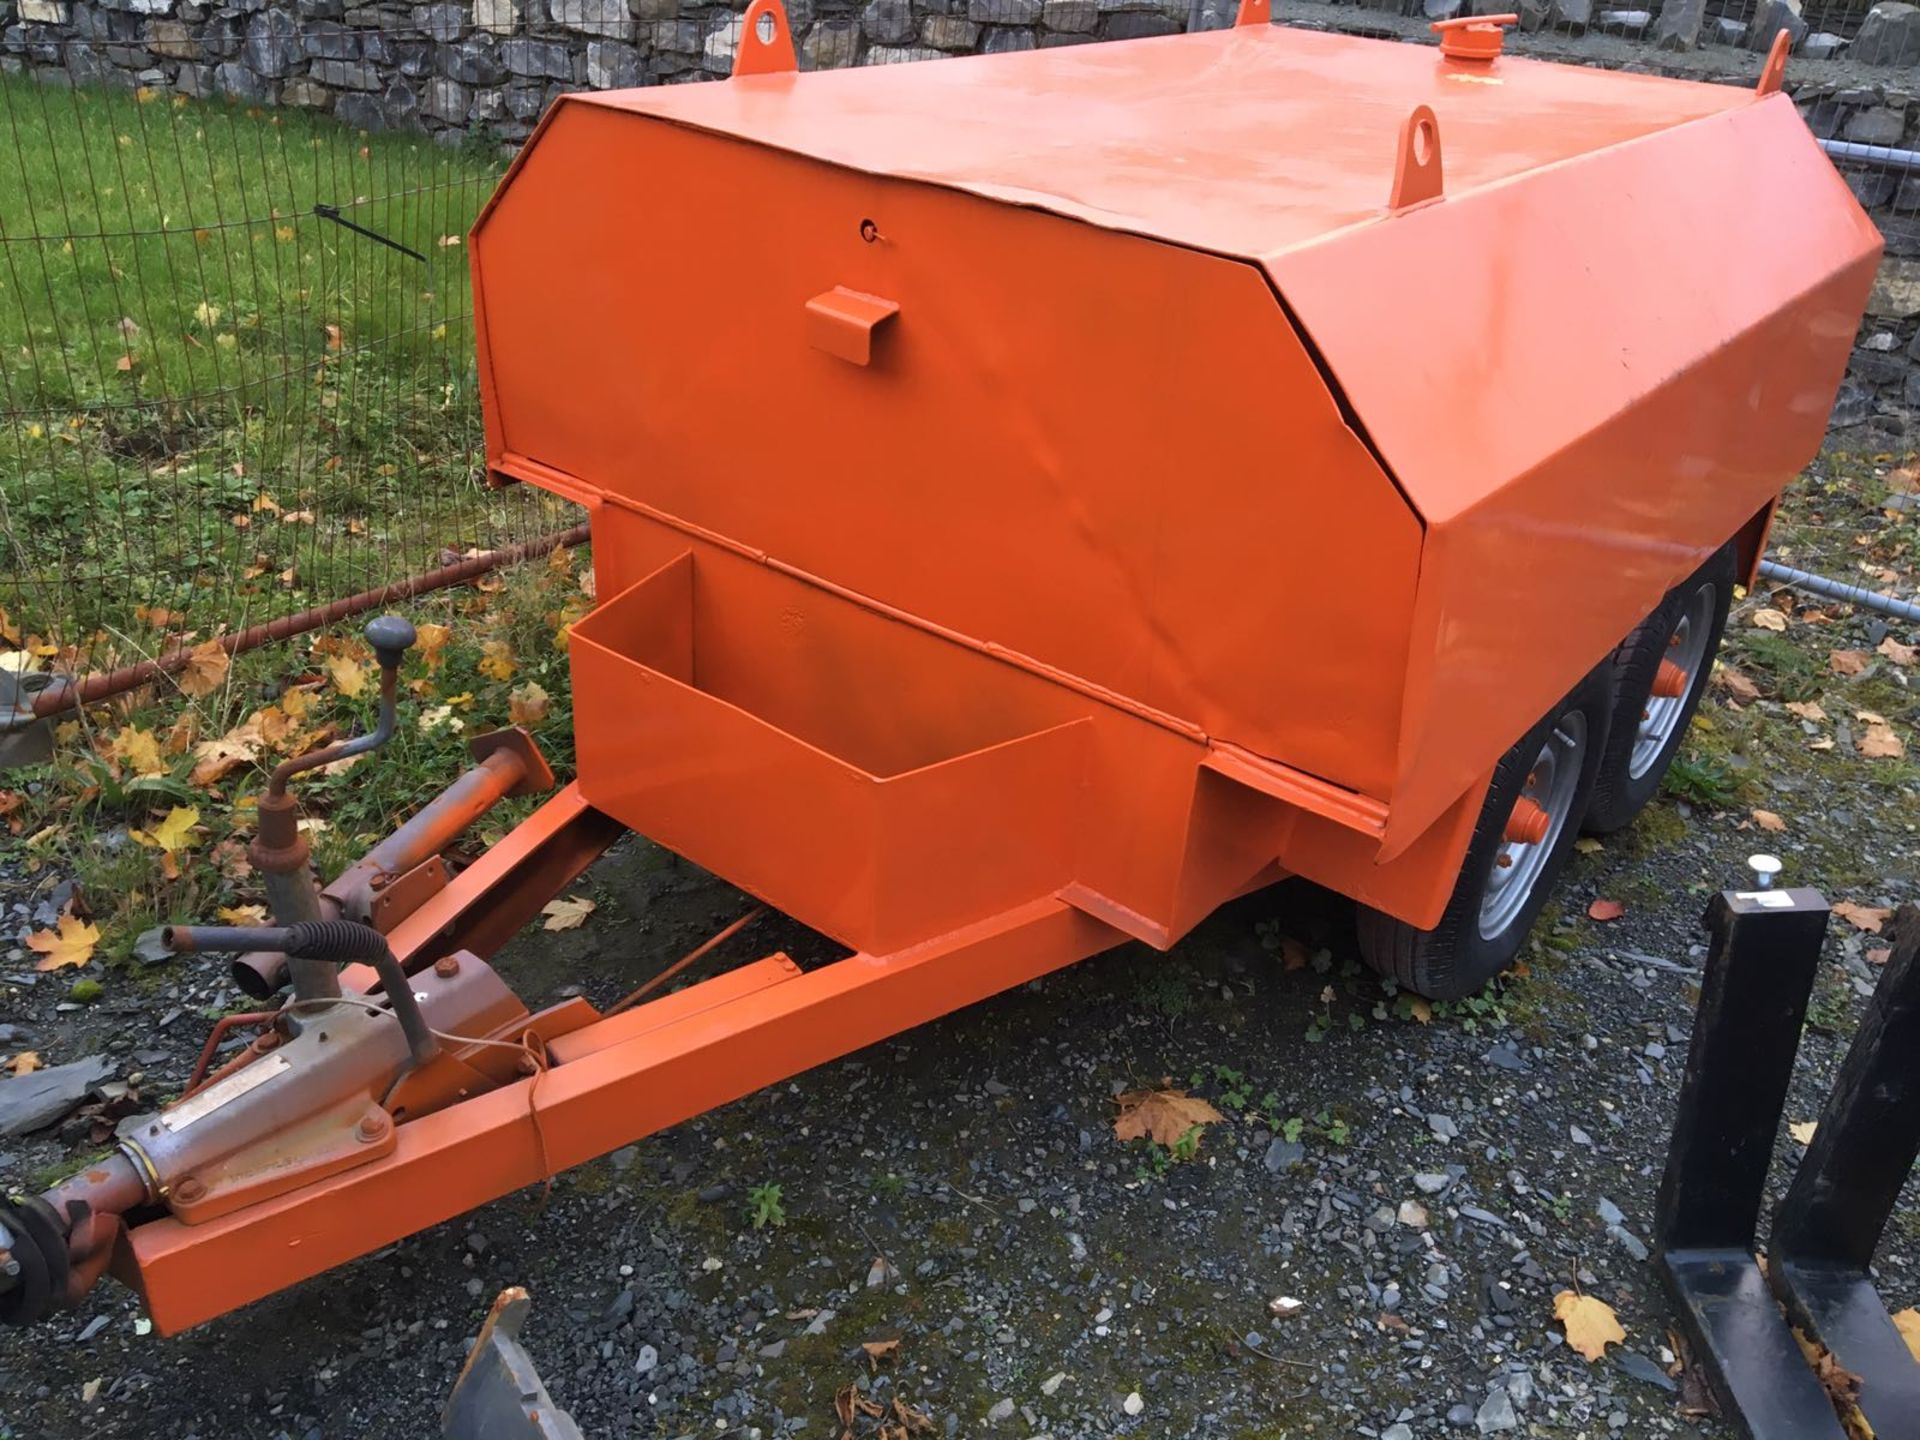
column 1067, row 473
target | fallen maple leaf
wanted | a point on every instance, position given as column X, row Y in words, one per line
column 568, row 914
column 205, row 670
column 528, row 705
column 1293, row 954
column 1606, row 910
column 1880, row 743
column 1806, row 710
column 1590, row 1324
column 1841, row 1384
column 71, row 942
column 25, row 1063
column 496, row 660
column 214, row 759
column 1164, row 1116
column 349, row 676
column 1736, row 684
column 1898, row 653
column 1879, row 956
column 1848, row 662
column 1587, row 845
column 1861, row 917
column 430, row 640
column 171, row 834
column 848, row 1403
column 1802, row 1130
column 1421, row 1009
column 1769, row 821
column 878, row 1350
column 912, row 1421
column 141, row 750
column 1907, row 1322
column 242, row 914
column 1770, row 619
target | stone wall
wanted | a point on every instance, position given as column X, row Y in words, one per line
column 487, row 69
column 492, row 65
column 1879, row 404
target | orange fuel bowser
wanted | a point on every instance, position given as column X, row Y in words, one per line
column 1035, row 498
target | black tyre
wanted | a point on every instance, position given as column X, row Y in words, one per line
column 1659, row 674
column 1539, row 791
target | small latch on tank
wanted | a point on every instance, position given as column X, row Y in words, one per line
column 842, row 321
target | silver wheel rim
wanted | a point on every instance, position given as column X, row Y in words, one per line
column 1687, row 648
column 1551, row 782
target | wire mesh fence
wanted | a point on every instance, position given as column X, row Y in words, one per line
column 236, row 362
column 236, row 350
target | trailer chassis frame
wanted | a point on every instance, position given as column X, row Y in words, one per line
column 610, row 1079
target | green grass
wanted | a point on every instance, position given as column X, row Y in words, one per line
column 181, row 335
column 505, row 645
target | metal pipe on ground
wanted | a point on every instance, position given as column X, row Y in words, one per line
column 1878, row 157
column 1840, row 590
column 71, row 694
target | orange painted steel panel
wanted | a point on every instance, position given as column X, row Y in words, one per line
column 880, row 785
column 449, row 1162
column 1247, row 141
column 1049, row 435
column 1579, row 437
column 795, row 681
column 1279, row 495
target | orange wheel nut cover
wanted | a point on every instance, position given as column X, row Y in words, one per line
column 1669, row 681
column 1528, row 823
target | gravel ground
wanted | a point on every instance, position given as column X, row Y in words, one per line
column 960, row 1189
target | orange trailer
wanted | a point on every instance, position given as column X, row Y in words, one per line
column 1035, row 498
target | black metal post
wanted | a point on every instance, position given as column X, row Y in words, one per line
column 1827, row 1229
column 1753, row 1001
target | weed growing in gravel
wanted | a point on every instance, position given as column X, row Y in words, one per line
column 1164, row 991
column 1486, row 1008
column 1234, row 1091
column 1831, row 1006
column 1700, row 780
column 1331, row 1127
column 1795, row 671
column 1159, row 1159
column 764, row 1207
